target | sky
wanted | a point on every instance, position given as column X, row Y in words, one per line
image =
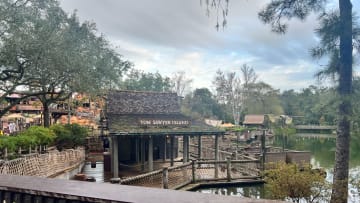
column 169, row 36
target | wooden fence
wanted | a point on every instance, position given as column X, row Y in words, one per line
column 178, row 176
column 44, row 165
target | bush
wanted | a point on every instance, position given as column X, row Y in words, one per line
column 78, row 132
column 69, row 136
column 289, row 182
column 40, row 135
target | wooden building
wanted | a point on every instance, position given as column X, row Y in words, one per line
column 145, row 126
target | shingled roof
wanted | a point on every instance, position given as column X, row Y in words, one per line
column 135, row 102
column 254, row 120
column 156, row 113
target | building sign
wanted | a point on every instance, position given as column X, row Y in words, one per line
column 163, row 122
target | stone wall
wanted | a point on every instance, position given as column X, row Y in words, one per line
column 44, row 165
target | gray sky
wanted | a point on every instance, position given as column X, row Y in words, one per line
column 177, row 35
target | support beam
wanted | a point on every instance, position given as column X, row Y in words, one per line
column 137, row 150
column 111, row 144
column 216, row 155
column 199, row 147
column 150, row 155
column 142, row 153
column 188, row 148
column 116, row 157
column 172, row 146
column 185, row 148
column 164, row 154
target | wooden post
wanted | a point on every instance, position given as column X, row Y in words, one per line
column 111, row 154
column 6, row 153
column 164, row 154
column 150, row 154
column 228, row 169
column 188, row 148
column 263, row 150
column 165, row 178
column 142, row 153
column 199, row 147
column 216, row 156
column 137, row 154
column 185, row 149
column 116, row 157
column 193, row 167
column 172, row 141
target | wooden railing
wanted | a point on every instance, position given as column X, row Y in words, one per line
column 44, row 165
column 197, row 171
column 19, row 189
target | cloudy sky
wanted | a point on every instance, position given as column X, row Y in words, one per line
column 176, row 35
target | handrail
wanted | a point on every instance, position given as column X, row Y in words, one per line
column 34, row 189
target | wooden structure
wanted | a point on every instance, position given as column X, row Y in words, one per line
column 18, row 189
column 144, row 126
column 49, row 164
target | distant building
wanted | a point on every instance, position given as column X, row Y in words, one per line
column 255, row 120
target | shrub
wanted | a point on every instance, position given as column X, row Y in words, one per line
column 289, row 182
column 69, row 135
column 40, row 135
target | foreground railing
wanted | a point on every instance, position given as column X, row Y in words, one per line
column 18, row 189
column 44, row 165
column 197, row 171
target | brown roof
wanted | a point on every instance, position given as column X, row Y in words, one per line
column 136, row 113
column 135, row 102
column 254, row 120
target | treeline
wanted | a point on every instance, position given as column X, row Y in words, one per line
column 239, row 93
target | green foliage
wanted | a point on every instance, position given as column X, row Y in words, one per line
column 312, row 105
column 201, row 104
column 51, row 54
column 141, row 81
column 69, row 135
column 7, row 142
column 33, row 136
column 40, row 135
column 290, row 182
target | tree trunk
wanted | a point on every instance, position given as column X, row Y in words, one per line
column 341, row 168
column 46, row 115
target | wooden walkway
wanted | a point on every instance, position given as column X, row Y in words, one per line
column 315, row 127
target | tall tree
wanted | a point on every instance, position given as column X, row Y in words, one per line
column 229, row 92
column 233, row 89
column 14, row 22
column 273, row 14
column 142, row 81
column 61, row 54
column 180, row 83
column 262, row 99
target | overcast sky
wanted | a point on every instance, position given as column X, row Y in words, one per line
column 177, row 35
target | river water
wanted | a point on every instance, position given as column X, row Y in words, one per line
column 323, row 156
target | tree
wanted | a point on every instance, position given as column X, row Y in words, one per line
column 61, row 55
column 273, row 14
column 233, row 91
column 261, row 98
column 229, row 92
column 141, row 81
column 180, row 83
column 14, row 22
column 202, row 104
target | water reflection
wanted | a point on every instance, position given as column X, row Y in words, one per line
column 255, row 192
column 323, row 155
